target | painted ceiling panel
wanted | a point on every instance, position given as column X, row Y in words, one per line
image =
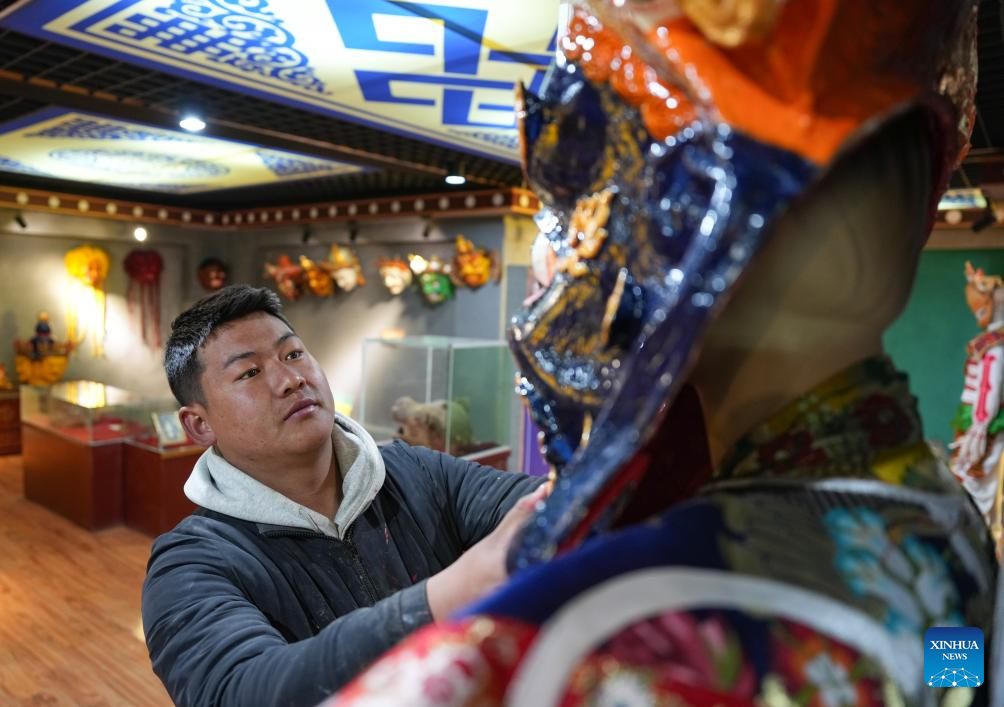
column 443, row 72
column 93, row 149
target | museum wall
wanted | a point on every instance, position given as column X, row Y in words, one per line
column 334, row 328
column 929, row 339
column 33, row 277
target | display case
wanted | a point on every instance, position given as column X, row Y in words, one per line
column 91, row 413
column 450, row 394
column 73, row 439
column 10, row 422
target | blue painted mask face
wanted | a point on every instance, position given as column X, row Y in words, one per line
column 650, row 235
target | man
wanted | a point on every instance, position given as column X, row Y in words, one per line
column 313, row 550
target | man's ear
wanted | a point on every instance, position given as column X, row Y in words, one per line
column 193, row 418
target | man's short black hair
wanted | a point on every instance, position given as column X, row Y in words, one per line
column 196, row 324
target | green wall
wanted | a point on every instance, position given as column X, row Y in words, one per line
column 928, row 340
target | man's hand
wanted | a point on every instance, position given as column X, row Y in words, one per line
column 482, row 568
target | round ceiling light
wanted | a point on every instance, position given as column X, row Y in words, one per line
column 192, row 123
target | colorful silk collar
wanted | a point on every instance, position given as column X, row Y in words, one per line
column 861, row 423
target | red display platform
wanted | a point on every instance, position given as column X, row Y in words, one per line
column 155, row 501
column 496, row 457
column 80, row 481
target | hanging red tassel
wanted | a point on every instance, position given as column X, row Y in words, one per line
column 144, row 268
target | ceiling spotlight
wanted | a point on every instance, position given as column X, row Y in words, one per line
column 455, row 179
column 19, row 220
column 192, row 123
column 139, row 233
column 427, row 228
column 353, row 231
column 306, row 235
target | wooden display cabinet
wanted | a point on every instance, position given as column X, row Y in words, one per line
column 10, row 422
column 155, row 477
column 78, row 480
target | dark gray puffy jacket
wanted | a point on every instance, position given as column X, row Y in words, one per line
column 240, row 613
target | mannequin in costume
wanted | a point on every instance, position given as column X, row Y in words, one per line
column 745, row 510
column 980, row 422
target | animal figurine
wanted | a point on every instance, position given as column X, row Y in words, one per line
column 424, row 424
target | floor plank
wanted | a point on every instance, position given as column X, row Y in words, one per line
column 70, row 630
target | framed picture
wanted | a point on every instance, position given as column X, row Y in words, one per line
column 169, row 429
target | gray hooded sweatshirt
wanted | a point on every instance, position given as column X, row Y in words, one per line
column 218, row 485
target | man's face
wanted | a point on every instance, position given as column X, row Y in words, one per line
column 267, row 398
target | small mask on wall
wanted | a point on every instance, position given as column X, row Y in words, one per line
column 395, row 273
column 474, row 266
column 318, row 275
column 433, row 278
column 346, row 269
column 213, row 274
column 288, row 277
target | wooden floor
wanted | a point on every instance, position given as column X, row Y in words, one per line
column 70, row 629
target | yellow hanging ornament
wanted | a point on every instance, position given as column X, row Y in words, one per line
column 85, row 316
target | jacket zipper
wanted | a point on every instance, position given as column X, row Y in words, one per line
column 361, row 569
column 357, row 561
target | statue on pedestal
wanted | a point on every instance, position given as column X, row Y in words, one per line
column 979, row 423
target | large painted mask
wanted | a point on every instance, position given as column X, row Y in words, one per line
column 667, row 138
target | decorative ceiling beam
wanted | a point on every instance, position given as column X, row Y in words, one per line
column 100, row 103
column 494, row 202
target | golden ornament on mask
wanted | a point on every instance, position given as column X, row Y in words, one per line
column 586, row 231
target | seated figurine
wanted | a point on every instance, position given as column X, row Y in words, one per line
column 745, row 509
column 41, row 360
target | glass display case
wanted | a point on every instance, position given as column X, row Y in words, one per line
column 451, row 394
column 96, row 413
column 98, row 455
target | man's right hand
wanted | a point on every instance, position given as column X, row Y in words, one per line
column 482, row 568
